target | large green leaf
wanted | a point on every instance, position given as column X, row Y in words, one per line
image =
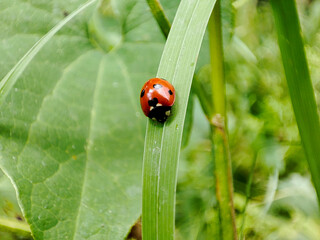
column 71, row 128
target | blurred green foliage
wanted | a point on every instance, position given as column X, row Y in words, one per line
column 262, row 128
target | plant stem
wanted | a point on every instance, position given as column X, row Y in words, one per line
column 216, row 55
column 222, row 172
column 13, row 225
column 159, row 15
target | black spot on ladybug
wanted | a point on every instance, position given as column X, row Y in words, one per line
column 142, row 93
column 170, row 92
column 157, row 86
column 153, row 102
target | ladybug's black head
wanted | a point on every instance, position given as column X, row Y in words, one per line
column 160, row 113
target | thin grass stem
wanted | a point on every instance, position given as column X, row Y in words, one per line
column 222, row 158
column 161, row 18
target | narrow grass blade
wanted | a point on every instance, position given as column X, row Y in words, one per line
column 160, row 16
column 188, row 121
column 299, row 83
column 9, row 80
column 163, row 141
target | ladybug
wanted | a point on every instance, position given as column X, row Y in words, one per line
column 156, row 98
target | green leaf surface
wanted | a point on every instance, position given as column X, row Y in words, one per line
column 72, row 130
column 9, row 80
column 163, row 141
column 188, row 123
column 299, row 82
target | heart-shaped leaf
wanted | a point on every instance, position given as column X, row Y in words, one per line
column 72, row 131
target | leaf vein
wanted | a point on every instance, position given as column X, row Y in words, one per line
column 90, row 142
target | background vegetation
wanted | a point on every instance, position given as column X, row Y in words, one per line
column 58, row 153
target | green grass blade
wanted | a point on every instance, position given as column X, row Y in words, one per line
column 10, row 79
column 159, row 15
column 299, row 82
column 162, row 144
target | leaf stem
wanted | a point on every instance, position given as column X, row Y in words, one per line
column 13, row 225
column 159, row 15
column 222, row 171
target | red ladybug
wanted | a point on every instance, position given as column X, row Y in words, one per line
column 156, row 99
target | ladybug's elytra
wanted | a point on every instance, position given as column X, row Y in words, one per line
column 156, row 98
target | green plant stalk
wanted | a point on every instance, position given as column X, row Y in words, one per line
column 159, row 15
column 223, row 177
column 222, row 171
column 10, row 79
column 217, row 68
column 163, row 141
column 299, row 82
column 13, row 225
